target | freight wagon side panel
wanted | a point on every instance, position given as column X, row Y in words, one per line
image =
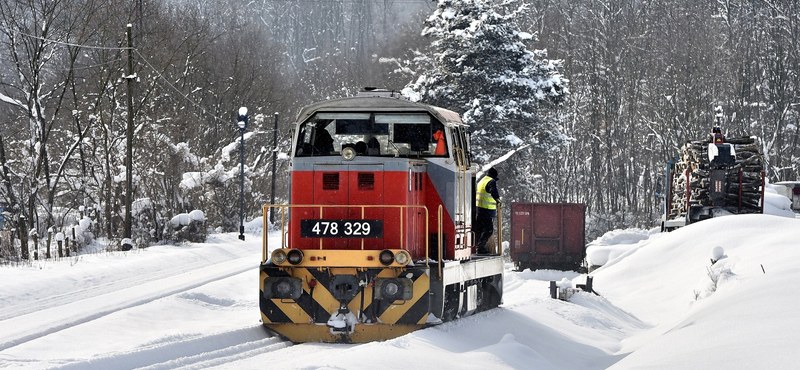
column 521, row 231
column 575, row 230
column 548, row 235
column 548, row 229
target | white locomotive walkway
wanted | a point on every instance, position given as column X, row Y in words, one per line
column 195, row 307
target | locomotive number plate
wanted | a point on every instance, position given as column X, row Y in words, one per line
column 341, row 228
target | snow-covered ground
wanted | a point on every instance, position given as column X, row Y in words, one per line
column 661, row 305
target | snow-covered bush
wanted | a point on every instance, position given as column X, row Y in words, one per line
column 216, row 190
column 145, row 219
column 188, row 227
column 83, row 233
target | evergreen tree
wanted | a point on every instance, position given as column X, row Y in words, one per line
column 481, row 68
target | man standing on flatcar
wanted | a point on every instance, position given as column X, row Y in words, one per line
column 716, row 136
column 487, row 198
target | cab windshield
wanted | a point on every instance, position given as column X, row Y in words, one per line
column 372, row 134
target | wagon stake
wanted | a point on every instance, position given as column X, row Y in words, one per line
column 588, row 286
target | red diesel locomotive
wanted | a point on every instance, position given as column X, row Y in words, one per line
column 377, row 240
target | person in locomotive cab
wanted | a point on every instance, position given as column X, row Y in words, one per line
column 716, row 135
column 440, row 145
column 487, row 199
column 323, row 142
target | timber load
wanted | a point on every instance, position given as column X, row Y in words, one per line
column 742, row 185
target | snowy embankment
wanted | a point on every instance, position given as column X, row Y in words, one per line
column 662, row 304
column 734, row 314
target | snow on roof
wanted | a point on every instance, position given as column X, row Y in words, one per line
column 378, row 104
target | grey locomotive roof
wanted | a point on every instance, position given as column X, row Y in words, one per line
column 378, row 104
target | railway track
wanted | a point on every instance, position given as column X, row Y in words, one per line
column 134, row 316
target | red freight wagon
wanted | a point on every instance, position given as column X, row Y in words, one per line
column 548, row 235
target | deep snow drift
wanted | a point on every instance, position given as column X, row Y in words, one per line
column 662, row 305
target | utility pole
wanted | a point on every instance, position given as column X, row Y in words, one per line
column 274, row 157
column 129, row 138
column 242, row 123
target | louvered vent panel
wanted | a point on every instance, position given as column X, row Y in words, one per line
column 330, row 181
column 366, row 181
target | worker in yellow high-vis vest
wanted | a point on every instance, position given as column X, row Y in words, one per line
column 487, row 198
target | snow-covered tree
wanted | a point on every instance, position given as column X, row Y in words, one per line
column 479, row 66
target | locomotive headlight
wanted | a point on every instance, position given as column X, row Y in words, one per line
column 390, row 289
column 295, row 256
column 348, row 153
column 386, row 257
column 278, row 256
column 393, row 289
column 402, row 257
column 282, row 288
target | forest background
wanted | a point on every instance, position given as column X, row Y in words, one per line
column 644, row 77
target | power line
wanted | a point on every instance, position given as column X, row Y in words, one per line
column 9, row 30
column 84, row 67
column 195, row 104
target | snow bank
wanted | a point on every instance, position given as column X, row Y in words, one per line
column 613, row 244
column 735, row 314
column 776, row 203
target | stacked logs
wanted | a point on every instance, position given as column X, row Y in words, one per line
column 748, row 165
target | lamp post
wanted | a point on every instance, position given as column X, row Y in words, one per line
column 242, row 123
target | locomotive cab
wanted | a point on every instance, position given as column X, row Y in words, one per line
column 384, row 158
column 392, row 135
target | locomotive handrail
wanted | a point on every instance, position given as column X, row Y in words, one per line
column 439, row 241
column 284, row 207
column 461, row 160
column 498, row 247
column 462, row 187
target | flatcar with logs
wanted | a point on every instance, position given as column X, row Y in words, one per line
column 376, row 241
column 713, row 179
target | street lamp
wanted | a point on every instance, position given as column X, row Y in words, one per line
column 242, row 123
